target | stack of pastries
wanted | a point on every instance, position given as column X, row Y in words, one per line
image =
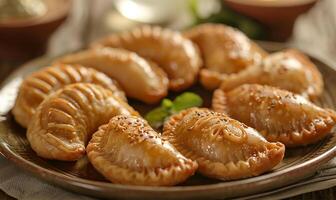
column 261, row 104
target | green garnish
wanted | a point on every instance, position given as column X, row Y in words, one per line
column 157, row 116
column 166, row 103
column 250, row 27
column 186, row 100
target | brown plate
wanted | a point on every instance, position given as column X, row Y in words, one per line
column 81, row 177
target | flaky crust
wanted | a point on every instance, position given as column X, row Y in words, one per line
column 277, row 114
column 288, row 69
column 177, row 56
column 223, row 147
column 225, row 50
column 37, row 86
column 64, row 121
column 128, row 151
column 141, row 79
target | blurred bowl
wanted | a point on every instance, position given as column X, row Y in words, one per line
column 27, row 38
column 277, row 15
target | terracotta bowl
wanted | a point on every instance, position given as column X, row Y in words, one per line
column 28, row 38
column 277, row 15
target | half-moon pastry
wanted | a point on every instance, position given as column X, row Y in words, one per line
column 288, row 69
column 225, row 50
column 277, row 114
column 65, row 120
column 223, row 147
column 37, row 86
column 128, row 151
column 140, row 79
column 178, row 56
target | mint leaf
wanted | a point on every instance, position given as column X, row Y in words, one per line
column 186, row 100
column 166, row 103
column 157, row 116
column 167, row 107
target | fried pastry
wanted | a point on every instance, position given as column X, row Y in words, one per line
column 225, row 50
column 178, row 56
column 128, row 151
column 223, row 147
column 279, row 115
column 288, row 69
column 37, row 86
column 65, row 120
column 141, row 79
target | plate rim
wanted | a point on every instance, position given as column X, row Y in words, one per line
column 54, row 177
column 36, row 170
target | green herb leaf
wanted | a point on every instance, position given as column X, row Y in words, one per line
column 167, row 103
column 157, row 116
column 186, row 100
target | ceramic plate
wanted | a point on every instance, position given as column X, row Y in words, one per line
column 81, row 177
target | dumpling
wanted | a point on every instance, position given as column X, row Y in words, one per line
column 140, row 79
column 37, row 86
column 278, row 115
column 223, row 147
column 65, row 120
column 225, row 50
column 176, row 55
column 288, row 69
column 128, row 151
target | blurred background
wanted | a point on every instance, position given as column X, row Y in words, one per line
column 32, row 28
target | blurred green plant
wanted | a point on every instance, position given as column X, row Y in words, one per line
column 157, row 116
column 226, row 16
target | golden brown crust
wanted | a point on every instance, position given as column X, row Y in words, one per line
column 219, row 101
column 177, row 55
column 128, row 151
column 288, row 69
column 223, row 148
column 225, row 50
column 278, row 114
column 37, row 86
column 64, row 121
column 141, row 79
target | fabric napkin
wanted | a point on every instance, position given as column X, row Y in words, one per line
column 23, row 186
column 315, row 32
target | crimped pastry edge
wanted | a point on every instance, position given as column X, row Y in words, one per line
column 157, row 32
column 116, row 174
column 303, row 138
column 219, row 170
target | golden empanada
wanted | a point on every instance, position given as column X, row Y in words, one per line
column 141, row 79
column 225, row 50
column 65, row 120
column 37, row 86
column 223, row 147
column 128, row 151
column 288, row 69
column 277, row 114
column 178, row 56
